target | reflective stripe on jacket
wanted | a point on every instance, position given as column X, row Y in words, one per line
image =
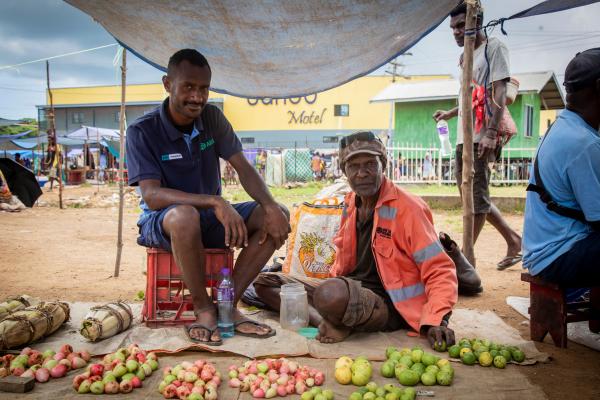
column 417, row 274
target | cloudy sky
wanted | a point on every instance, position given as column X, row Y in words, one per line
column 34, row 29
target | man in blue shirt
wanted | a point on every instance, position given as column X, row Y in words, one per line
column 560, row 248
column 173, row 156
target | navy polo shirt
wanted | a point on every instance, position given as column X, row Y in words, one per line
column 156, row 149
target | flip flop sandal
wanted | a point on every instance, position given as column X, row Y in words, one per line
column 272, row 332
column 509, row 261
column 196, row 325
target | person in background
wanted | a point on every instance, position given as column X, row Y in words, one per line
column 315, row 165
column 485, row 140
column 428, row 173
column 261, row 163
column 18, row 159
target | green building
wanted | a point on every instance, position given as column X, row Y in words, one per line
column 533, row 110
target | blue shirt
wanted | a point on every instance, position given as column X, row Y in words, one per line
column 156, row 149
column 569, row 165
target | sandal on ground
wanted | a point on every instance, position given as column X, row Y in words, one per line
column 271, row 332
column 509, row 261
column 198, row 325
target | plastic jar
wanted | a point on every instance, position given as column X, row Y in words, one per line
column 293, row 311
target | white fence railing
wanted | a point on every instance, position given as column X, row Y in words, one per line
column 413, row 163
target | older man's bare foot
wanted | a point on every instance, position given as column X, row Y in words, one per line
column 328, row 333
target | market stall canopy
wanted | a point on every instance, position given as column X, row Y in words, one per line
column 31, row 143
column 8, row 138
column 271, row 48
column 88, row 133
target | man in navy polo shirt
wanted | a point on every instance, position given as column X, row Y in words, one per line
column 173, row 156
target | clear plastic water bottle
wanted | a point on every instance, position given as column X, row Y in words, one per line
column 225, row 304
column 444, row 135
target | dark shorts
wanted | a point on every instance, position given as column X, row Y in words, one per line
column 481, row 180
column 213, row 233
column 577, row 267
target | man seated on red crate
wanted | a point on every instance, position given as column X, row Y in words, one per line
column 173, row 156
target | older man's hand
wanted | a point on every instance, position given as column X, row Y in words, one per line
column 437, row 334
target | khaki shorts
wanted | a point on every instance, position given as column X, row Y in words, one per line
column 482, row 203
column 360, row 313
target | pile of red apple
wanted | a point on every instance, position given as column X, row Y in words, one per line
column 274, row 377
column 43, row 366
column 119, row 372
column 199, row 380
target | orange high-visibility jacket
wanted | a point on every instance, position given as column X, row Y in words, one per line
column 417, row 274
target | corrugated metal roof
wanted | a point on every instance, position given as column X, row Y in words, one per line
column 544, row 83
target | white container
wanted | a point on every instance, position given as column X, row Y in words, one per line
column 293, row 311
column 444, row 136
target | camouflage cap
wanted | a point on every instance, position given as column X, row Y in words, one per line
column 365, row 142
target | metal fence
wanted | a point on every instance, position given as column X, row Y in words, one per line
column 413, row 163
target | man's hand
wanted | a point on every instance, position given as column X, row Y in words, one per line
column 441, row 114
column 487, row 144
column 275, row 225
column 435, row 334
column 236, row 234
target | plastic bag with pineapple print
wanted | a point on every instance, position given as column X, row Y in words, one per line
column 310, row 250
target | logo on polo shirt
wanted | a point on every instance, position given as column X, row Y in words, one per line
column 169, row 157
column 207, row 144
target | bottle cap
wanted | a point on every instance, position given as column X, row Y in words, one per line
column 225, row 271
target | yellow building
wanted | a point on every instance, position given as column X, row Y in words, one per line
column 314, row 121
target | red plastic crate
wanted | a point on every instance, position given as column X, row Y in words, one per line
column 168, row 301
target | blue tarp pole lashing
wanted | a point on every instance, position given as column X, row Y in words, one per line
column 545, row 7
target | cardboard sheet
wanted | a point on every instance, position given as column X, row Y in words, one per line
column 579, row 332
column 466, row 323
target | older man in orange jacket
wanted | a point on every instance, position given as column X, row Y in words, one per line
column 391, row 271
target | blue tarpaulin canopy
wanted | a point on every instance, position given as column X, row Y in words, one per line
column 8, row 138
column 92, row 133
column 279, row 48
column 31, row 143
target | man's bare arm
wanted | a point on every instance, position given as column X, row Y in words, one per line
column 276, row 222
column 497, row 104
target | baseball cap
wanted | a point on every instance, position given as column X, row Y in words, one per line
column 365, row 142
column 582, row 70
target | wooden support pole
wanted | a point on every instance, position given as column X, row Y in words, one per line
column 121, row 163
column 52, row 138
column 467, row 121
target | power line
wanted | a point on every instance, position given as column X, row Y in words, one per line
column 58, row 56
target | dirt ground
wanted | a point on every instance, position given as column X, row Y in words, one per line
column 70, row 254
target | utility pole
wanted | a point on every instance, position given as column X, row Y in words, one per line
column 467, row 121
column 52, row 140
column 397, row 68
column 121, row 164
